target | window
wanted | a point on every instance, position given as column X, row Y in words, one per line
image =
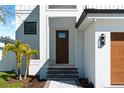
column 62, row 35
column 62, row 7
column 30, row 28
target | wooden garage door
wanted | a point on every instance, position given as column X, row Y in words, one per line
column 117, row 58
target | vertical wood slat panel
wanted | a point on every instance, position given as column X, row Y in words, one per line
column 117, row 58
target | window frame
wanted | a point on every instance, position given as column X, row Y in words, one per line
column 48, row 9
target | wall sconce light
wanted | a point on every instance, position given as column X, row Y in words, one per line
column 102, row 39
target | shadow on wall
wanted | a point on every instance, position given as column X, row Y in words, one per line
column 39, row 69
column 8, row 63
column 31, row 39
column 99, row 42
column 44, row 69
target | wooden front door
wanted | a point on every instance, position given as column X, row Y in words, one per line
column 62, row 51
column 117, row 58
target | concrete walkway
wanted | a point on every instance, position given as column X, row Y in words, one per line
column 61, row 84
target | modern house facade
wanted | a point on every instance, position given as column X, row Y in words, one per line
column 91, row 39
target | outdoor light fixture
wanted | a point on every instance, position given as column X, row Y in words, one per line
column 102, row 39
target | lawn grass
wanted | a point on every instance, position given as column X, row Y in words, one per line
column 5, row 77
column 12, row 85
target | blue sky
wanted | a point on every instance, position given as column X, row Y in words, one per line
column 8, row 29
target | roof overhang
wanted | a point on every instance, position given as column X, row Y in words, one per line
column 91, row 15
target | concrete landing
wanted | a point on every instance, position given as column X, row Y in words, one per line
column 61, row 84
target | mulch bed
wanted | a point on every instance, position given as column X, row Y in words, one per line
column 34, row 82
column 30, row 82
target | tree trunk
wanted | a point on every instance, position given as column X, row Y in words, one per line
column 26, row 72
column 19, row 73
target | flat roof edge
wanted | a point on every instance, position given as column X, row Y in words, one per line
column 86, row 11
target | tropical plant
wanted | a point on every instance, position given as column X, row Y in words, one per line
column 18, row 48
column 29, row 52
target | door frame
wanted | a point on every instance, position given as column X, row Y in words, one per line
column 62, row 30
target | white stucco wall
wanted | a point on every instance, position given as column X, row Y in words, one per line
column 0, row 54
column 86, row 50
column 80, row 52
column 44, row 56
column 89, row 53
column 1, row 47
column 103, row 55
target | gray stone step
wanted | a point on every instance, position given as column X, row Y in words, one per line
column 62, row 69
column 61, row 66
column 63, row 75
column 62, row 72
column 62, row 78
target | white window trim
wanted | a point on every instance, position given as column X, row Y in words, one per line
column 47, row 9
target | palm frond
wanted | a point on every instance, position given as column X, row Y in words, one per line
column 8, row 47
column 29, row 53
column 34, row 52
column 18, row 43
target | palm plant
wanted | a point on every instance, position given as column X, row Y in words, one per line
column 29, row 52
column 18, row 48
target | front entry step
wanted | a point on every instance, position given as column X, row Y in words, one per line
column 61, row 66
column 62, row 72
